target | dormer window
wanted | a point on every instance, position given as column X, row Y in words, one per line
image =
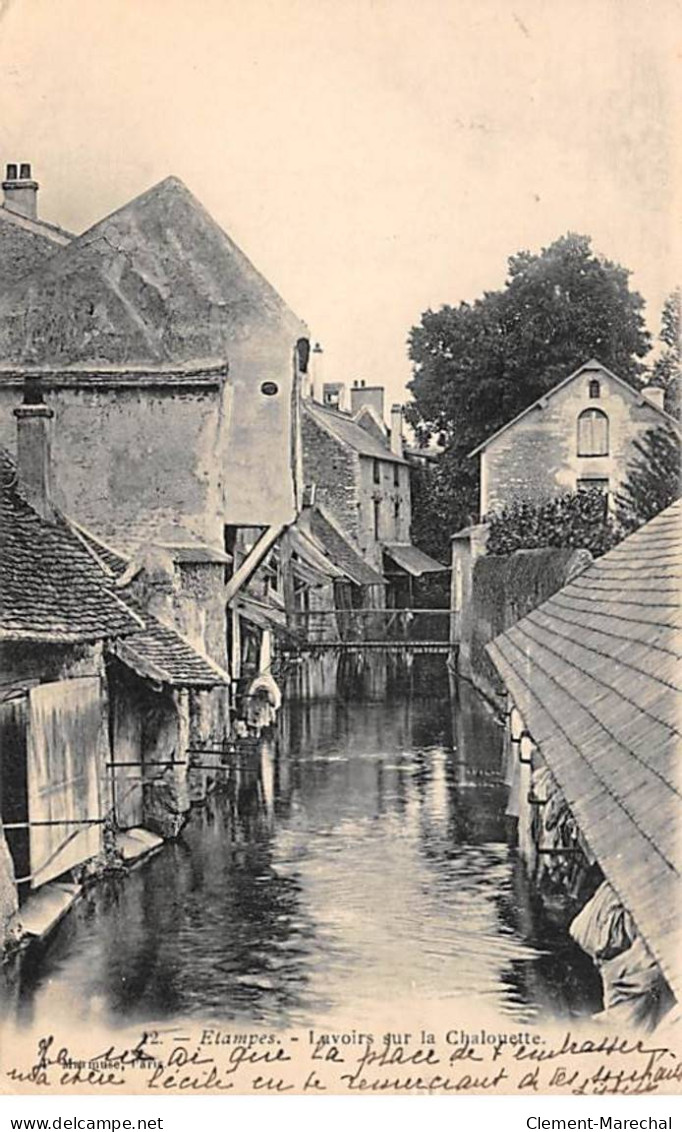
column 593, row 433
column 595, row 390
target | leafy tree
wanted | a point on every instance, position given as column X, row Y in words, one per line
column 653, row 478
column 573, row 520
column 667, row 369
column 477, row 365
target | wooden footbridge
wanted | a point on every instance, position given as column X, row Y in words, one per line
column 407, row 630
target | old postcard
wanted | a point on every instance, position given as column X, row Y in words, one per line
column 340, row 547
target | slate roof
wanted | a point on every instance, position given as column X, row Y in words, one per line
column 156, row 281
column 596, row 674
column 342, row 552
column 592, row 366
column 413, row 560
column 345, row 428
column 51, row 590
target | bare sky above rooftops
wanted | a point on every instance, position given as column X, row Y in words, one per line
column 372, row 157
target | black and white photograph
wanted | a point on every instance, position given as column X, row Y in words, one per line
column 340, row 547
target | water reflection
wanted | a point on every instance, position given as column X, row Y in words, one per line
column 362, row 853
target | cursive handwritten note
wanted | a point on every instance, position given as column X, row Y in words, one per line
column 357, row 1061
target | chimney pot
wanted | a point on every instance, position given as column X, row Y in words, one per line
column 20, row 192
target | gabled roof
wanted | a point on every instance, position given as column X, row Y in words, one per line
column 596, row 674
column 156, row 281
column 592, row 365
column 344, row 428
column 51, row 590
column 24, row 246
column 341, row 550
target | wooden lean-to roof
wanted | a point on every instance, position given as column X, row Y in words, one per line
column 596, row 674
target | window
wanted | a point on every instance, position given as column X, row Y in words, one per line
column 377, row 517
column 594, row 483
column 593, row 433
column 595, row 390
column 396, row 475
column 377, row 471
column 396, row 514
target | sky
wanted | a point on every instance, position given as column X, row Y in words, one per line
column 373, row 158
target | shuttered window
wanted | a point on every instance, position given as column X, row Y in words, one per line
column 593, row 433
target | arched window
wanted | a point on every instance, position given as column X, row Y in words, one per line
column 595, row 390
column 593, row 433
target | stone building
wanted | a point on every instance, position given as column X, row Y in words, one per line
column 579, row 435
column 356, row 468
column 177, row 372
column 95, row 729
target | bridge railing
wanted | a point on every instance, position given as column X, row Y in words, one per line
column 371, row 626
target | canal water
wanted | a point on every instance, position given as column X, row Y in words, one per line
column 359, row 862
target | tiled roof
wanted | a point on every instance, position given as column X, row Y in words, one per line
column 596, row 674
column 158, row 652
column 413, row 560
column 342, row 552
column 161, row 654
column 50, row 587
column 346, row 429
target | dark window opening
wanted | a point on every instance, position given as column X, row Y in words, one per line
column 396, row 513
column 377, row 471
column 377, row 517
column 598, row 484
column 595, row 390
column 396, row 475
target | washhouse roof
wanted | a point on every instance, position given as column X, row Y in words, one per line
column 595, row 673
column 413, row 560
column 341, row 550
column 51, row 590
column 162, row 654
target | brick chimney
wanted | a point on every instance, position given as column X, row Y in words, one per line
column 34, row 449
column 397, row 430
column 20, row 191
column 655, row 395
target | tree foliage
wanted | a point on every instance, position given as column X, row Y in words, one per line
column 653, row 478
column 477, row 365
column 667, row 369
column 573, row 520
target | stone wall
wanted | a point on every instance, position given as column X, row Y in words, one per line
column 336, row 472
column 392, row 527
column 537, row 457
column 504, row 589
column 134, row 462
